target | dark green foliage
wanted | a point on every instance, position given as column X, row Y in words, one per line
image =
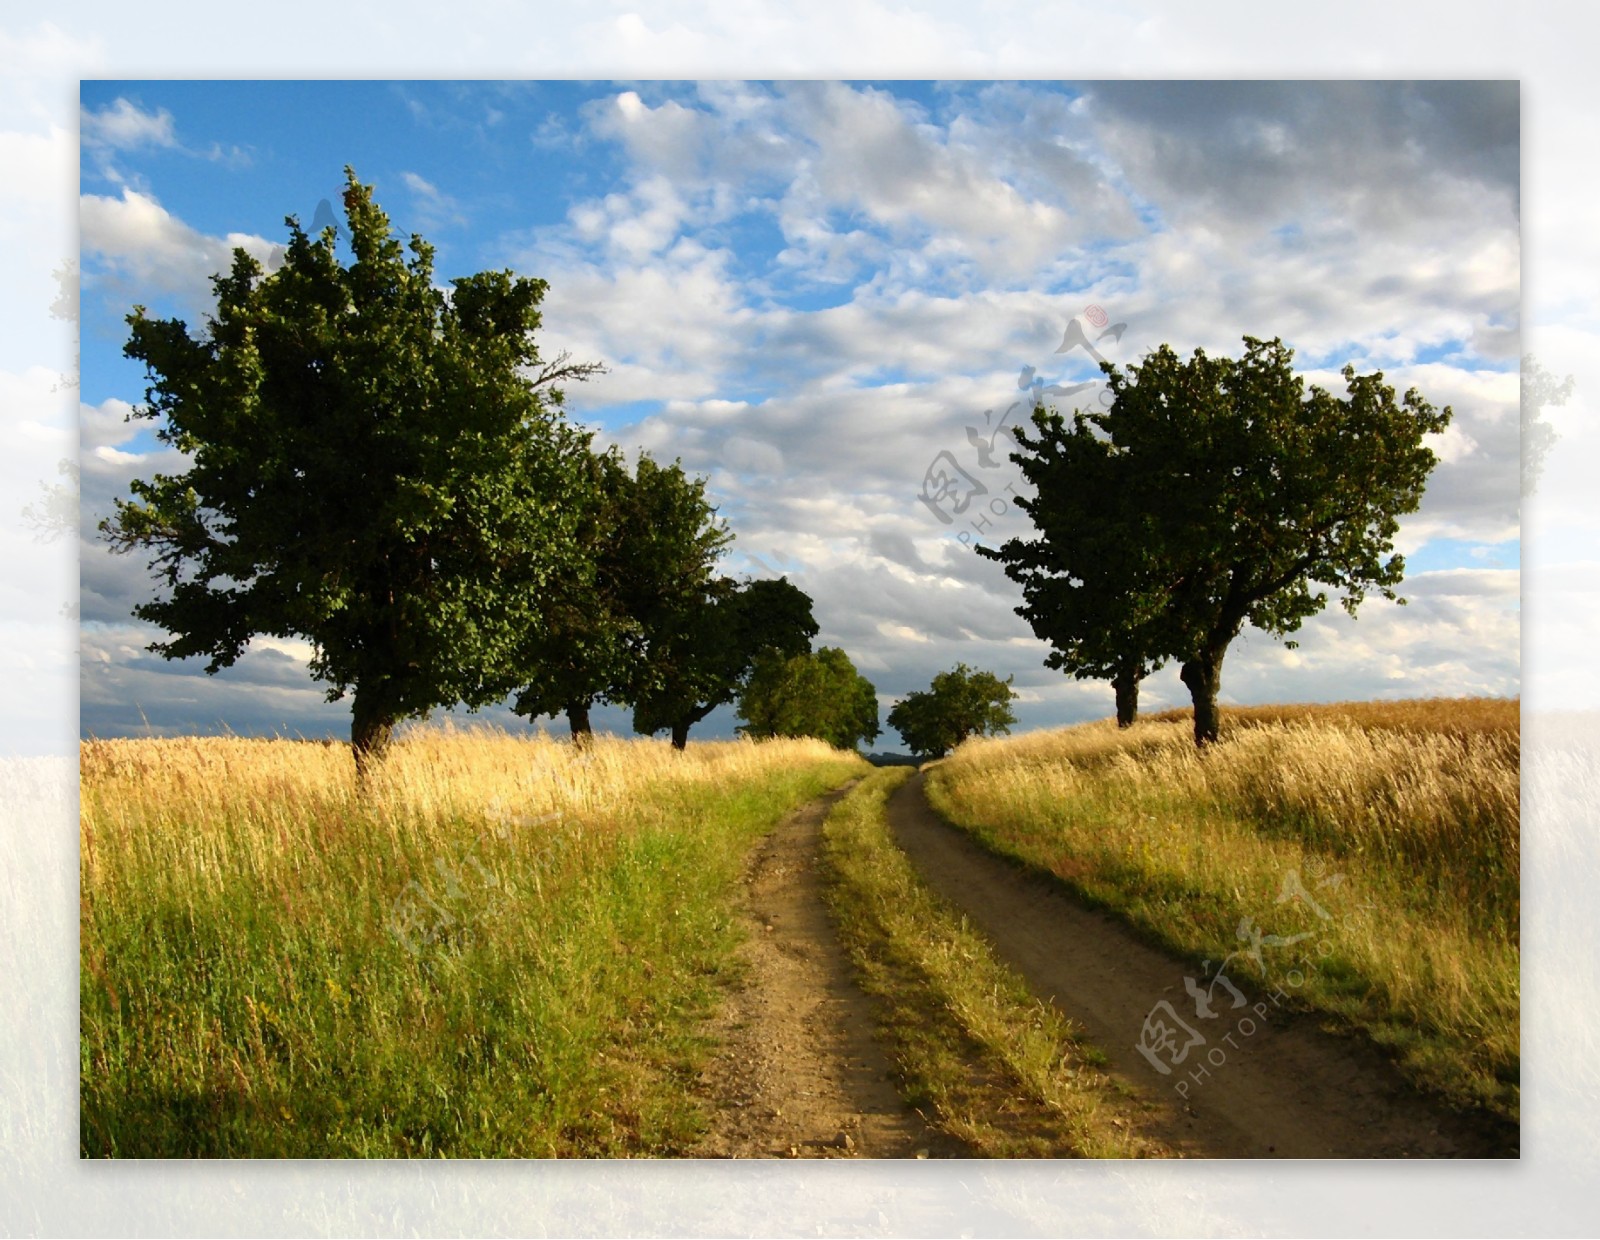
column 818, row 694
column 1089, row 583
column 581, row 652
column 673, row 540
column 1227, row 488
column 960, row 703
column 701, row 651
column 648, row 542
column 371, row 466
column 773, row 616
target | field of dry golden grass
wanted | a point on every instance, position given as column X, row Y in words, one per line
column 1497, row 717
column 503, row 948
column 1399, row 821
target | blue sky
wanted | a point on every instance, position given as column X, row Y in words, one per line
column 810, row 291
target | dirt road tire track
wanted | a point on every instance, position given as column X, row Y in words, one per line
column 1289, row 1090
column 800, row 1074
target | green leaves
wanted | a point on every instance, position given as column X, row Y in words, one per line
column 960, row 703
column 701, row 653
column 804, row 694
column 647, row 541
column 1213, row 492
column 370, row 467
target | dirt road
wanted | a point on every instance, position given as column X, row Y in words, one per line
column 1277, row 1086
column 800, row 1074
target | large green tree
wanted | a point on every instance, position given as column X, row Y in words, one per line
column 1089, row 579
column 959, row 703
column 819, row 694
column 702, row 653
column 1245, row 488
column 373, row 463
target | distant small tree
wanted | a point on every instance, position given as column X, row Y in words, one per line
column 819, row 695
column 960, row 703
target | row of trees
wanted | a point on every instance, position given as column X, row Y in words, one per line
column 1210, row 493
column 823, row 695
column 644, row 620
column 382, row 467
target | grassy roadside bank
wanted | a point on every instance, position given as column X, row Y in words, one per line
column 978, row 1054
column 1371, row 851
column 505, row 951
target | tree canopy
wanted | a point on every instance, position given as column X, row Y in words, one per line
column 374, row 464
column 701, row 653
column 1087, row 580
column 649, row 542
column 818, row 694
column 960, row 703
column 1239, row 487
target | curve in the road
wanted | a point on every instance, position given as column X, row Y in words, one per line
column 1265, row 1083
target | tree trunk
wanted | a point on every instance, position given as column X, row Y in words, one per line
column 1126, row 684
column 578, row 718
column 680, row 734
column 371, row 730
column 1204, row 677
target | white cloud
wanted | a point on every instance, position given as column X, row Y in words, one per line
column 122, row 126
column 434, row 207
column 144, row 247
column 105, row 425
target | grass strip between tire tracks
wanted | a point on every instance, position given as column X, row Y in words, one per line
column 977, row 1053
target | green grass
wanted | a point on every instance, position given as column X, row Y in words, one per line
column 262, row 979
column 1400, row 825
column 977, row 1054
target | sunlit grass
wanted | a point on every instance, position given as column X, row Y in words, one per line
column 977, row 1052
column 504, row 948
column 1398, row 821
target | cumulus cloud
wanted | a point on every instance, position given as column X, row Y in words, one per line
column 140, row 246
column 124, row 128
column 105, row 425
column 126, row 690
column 435, row 208
column 1397, row 157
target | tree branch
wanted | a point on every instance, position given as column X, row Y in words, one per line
column 562, row 367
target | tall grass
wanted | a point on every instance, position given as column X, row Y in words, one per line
column 504, row 948
column 1387, row 833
